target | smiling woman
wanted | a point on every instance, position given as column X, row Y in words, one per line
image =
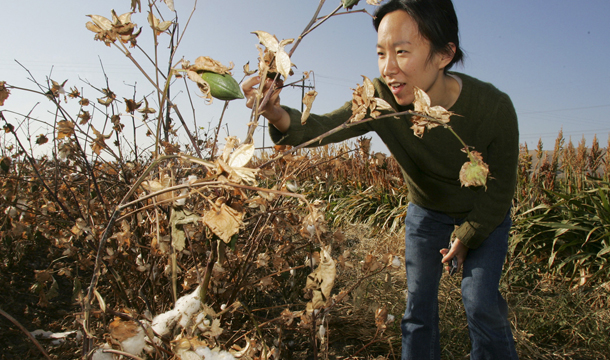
column 417, row 43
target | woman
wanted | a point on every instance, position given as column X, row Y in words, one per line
column 418, row 43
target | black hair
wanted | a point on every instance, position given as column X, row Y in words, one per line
column 436, row 21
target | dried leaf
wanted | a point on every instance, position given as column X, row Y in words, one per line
column 5, row 164
column 267, row 40
column 41, row 139
column 282, row 59
column 224, row 222
column 101, row 22
column 204, row 87
column 123, row 330
column 131, row 105
column 363, row 100
column 170, row 4
column 157, row 25
column 84, row 117
column 65, row 128
column 206, row 63
column 381, row 317
column 421, row 104
column 215, row 330
column 178, row 218
column 247, row 70
column 241, row 156
column 321, row 281
column 4, row 92
column 474, row 172
column 370, row 264
column 134, row 4
column 308, row 100
column 99, row 142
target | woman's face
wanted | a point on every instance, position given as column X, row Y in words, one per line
column 403, row 58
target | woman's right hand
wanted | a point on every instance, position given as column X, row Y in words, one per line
column 272, row 111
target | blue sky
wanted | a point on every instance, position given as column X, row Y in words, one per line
column 551, row 57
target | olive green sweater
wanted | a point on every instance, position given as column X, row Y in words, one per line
column 487, row 121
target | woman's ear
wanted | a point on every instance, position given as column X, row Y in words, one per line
column 447, row 55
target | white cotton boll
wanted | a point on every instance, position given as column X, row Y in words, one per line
column 188, row 355
column 99, row 354
column 311, row 229
column 181, row 201
column 322, row 331
column 200, row 318
column 135, row 344
column 140, row 260
column 12, row 212
column 180, row 315
column 208, row 354
column 188, row 305
column 223, row 307
column 390, row 319
column 164, row 323
column 396, row 262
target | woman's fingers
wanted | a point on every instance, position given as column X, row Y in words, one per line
column 457, row 251
column 250, row 89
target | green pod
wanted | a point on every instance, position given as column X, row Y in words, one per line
column 348, row 4
column 222, row 87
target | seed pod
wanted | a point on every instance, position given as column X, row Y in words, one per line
column 348, row 4
column 222, row 87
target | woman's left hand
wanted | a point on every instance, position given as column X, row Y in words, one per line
column 458, row 250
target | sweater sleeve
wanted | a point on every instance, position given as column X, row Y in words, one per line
column 491, row 205
column 317, row 125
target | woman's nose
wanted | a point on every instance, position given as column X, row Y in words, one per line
column 389, row 66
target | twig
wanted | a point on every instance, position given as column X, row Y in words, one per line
column 224, row 109
column 25, row 331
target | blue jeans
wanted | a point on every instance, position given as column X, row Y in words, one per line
column 427, row 232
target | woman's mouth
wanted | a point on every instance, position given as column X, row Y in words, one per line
column 396, row 87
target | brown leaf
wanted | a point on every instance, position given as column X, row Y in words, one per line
column 474, row 172
column 99, row 142
column 214, row 330
column 131, row 105
column 41, row 139
column 136, row 4
column 206, row 63
column 157, row 25
column 65, row 128
column 308, row 100
column 321, row 281
column 224, row 222
column 370, row 264
column 84, row 117
column 4, row 92
column 421, row 104
column 381, row 317
column 123, row 330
